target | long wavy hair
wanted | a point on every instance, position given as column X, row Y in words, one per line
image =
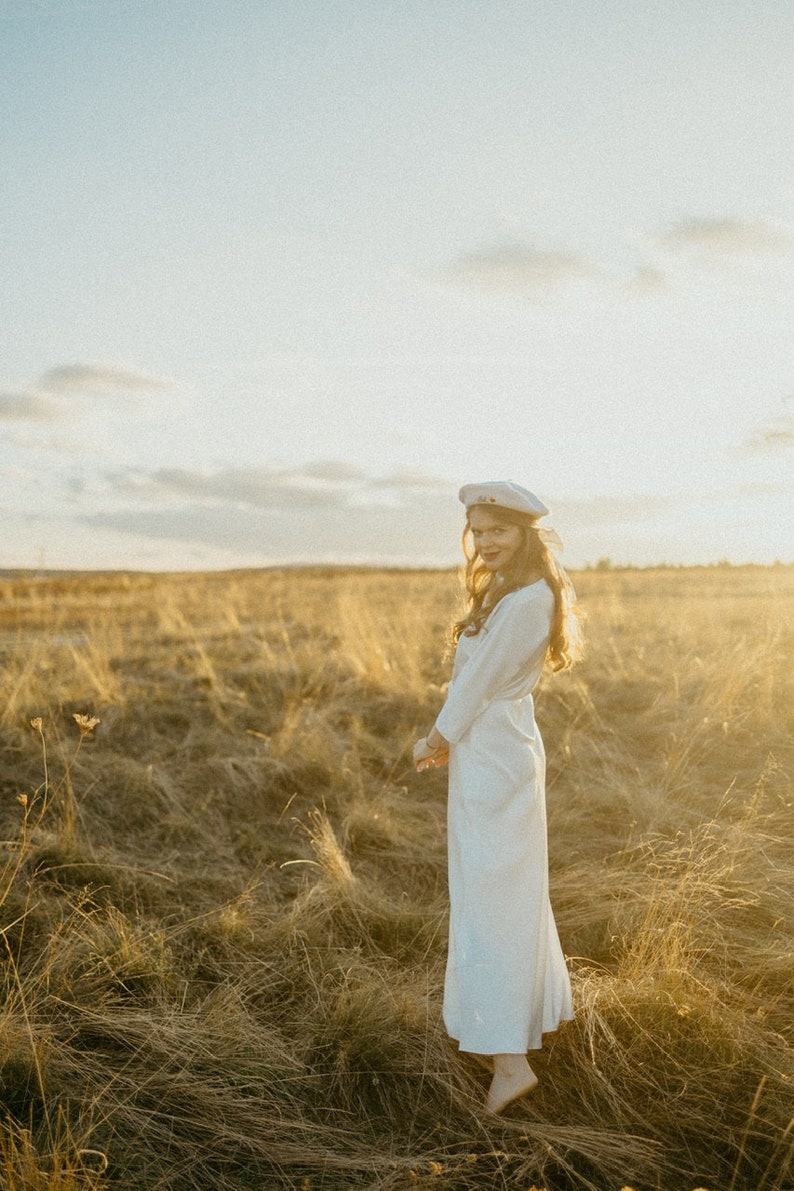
column 531, row 560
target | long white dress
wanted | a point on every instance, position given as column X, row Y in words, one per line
column 506, row 982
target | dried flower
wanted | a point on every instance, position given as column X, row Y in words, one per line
column 36, row 723
column 22, row 799
column 86, row 723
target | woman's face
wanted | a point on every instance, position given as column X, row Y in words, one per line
column 495, row 541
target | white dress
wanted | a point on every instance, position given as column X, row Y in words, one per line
column 507, row 982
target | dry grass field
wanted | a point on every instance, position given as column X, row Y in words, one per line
column 223, row 906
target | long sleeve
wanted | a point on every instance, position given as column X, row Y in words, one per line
column 505, row 661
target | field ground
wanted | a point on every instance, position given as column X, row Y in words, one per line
column 223, row 907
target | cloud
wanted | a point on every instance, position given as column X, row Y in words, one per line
column 254, row 487
column 320, row 485
column 423, row 529
column 516, row 266
column 729, row 237
column 180, row 517
column 772, row 437
column 27, row 407
column 648, row 279
column 332, row 470
column 45, row 401
column 99, row 378
column 298, row 514
column 519, row 268
column 424, row 533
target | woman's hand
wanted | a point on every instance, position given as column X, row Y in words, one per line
column 430, row 751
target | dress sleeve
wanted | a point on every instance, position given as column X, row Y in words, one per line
column 513, row 641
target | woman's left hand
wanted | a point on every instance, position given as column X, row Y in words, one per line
column 426, row 756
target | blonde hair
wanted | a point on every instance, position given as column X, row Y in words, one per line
column 532, row 556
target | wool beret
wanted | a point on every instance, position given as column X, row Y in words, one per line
column 504, row 493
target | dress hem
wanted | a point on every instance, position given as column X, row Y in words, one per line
column 467, row 1050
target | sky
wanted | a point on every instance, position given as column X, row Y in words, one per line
column 281, row 275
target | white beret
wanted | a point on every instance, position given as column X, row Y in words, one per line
column 504, row 493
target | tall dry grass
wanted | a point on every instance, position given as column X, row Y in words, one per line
column 223, row 906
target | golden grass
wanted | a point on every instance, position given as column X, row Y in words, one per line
column 223, row 906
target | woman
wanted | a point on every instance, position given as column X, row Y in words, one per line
column 506, row 981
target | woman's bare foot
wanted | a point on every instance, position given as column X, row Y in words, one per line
column 513, row 1078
